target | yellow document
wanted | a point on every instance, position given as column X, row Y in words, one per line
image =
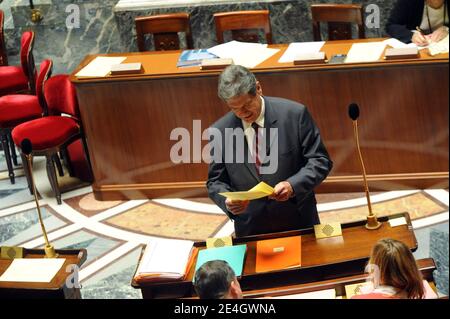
column 259, row 191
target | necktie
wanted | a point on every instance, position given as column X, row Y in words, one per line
column 257, row 145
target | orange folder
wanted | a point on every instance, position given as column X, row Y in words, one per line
column 278, row 253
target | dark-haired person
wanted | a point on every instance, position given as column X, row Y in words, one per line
column 216, row 280
column 395, row 274
column 286, row 152
column 429, row 16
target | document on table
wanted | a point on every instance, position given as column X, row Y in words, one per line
column 99, row 67
column 397, row 44
column 365, row 52
column 296, row 48
column 243, row 53
column 259, row 191
column 439, row 47
column 33, row 269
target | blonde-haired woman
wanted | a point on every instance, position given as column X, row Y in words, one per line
column 395, row 273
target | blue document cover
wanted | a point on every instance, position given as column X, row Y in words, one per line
column 233, row 255
column 194, row 57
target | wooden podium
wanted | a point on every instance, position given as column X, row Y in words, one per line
column 56, row 289
column 322, row 259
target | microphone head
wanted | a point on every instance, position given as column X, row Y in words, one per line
column 353, row 111
column 26, row 146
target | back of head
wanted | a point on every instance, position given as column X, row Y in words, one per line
column 234, row 81
column 213, row 280
column 397, row 268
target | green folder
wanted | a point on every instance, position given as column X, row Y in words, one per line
column 233, row 255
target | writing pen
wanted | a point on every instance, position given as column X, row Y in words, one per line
column 422, row 34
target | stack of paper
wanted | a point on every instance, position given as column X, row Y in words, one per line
column 99, row 67
column 243, row 53
column 33, row 269
column 259, row 191
column 165, row 259
column 397, row 44
column 365, row 52
column 296, row 48
column 233, row 255
column 439, row 47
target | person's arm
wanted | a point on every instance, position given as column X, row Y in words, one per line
column 397, row 24
column 318, row 163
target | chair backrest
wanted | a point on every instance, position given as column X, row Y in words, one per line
column 45, row 72
column 60, row 96
column 165, row 30
column 27, row 59
column 239, row 22
column 3, row 55
column 339, row 18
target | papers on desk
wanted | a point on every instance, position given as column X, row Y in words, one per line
column 165, row 259
column 394, row 222
column 243, row 53
column 365, row 52
column 296, row 48
column 99, row 67
column 259, row 191
column 439, row 47
column 33, row 269
column 397, row 44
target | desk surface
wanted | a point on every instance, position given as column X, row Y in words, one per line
column 162, row 64
column 322, row 259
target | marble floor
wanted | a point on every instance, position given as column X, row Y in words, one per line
column 114, row 232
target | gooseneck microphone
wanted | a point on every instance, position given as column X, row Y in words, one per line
column 353, row 112
column 27, row 149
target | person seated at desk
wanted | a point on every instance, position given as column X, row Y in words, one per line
column 286, row 152
column 419, row 21
column 395, row 274
column 216, row 280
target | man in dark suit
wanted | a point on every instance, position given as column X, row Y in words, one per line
column 430, row 16
column 282, row 147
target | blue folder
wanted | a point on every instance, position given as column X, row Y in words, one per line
column 233, row 255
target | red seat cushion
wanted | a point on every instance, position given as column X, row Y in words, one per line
column 18, row 108
column 46, row 132
column 12, row 80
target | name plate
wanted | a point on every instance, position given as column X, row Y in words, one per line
column 214, row 64
column 11, row 252
column 401, row 53
column 126, row 68
column 219, row 242
column 310, row 58
column 327, row 230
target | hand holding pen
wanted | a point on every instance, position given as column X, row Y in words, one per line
column 419, row 38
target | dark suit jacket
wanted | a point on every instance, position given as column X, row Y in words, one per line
column 405, row 16
column 303, row 161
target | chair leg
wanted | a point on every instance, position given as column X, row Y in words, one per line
column 4, row 138
column 58, row 164
column 13, row 149
column 27, row 170
column 51, row 173
column 66, row 158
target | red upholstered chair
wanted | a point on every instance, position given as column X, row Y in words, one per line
column 3, row 55
column 19, row 108
column 53, row 133
column 17, row 79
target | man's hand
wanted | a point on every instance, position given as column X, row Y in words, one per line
column 419, row 39
column 439, row 34
column 282, row 192
column 236, row 207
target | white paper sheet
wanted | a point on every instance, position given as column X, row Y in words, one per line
column 99, row 67
column 297, row 48
column 33, row 269
column 397, row 221
column 165, row 257
column 243, row 53
column 365, row 52
column 397, row 44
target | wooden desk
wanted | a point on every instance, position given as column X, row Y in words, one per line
column 403, row 123
column 324, row 259
column 56, row 289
